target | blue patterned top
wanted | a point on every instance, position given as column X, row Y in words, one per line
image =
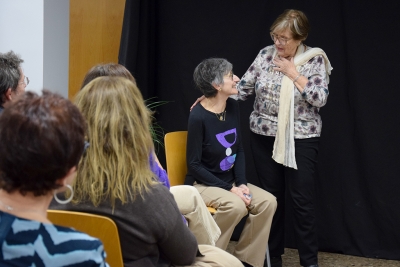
column 35, row 244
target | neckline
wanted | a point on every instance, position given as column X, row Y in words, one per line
column 216, row 114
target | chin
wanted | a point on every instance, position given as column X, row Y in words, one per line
column 281, row 54
column 234, row 92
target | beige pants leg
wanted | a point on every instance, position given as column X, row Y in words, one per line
column 200, row 221
column 231, row 209
column 253, row 241
column 215, row 257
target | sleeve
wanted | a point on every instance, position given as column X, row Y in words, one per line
column 240, row 166
column 247, row 83
column 194, row 153
column 160, row 173
column 316, row 90
column 179, row 245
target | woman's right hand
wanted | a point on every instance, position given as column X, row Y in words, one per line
column 197, row 101
column 240, row 193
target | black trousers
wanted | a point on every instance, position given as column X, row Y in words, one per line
column 299, row 185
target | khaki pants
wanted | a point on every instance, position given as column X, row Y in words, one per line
column 231, row 209
column 200, row 221
column 215, row 257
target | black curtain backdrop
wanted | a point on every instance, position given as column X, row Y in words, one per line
column 358, row 181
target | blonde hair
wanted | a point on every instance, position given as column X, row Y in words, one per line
column 116, row 164
column 294, row 20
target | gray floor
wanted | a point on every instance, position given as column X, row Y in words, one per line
column 291, row 259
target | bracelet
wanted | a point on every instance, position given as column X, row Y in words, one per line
column 295, row 79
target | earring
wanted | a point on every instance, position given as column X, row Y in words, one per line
column 219, row 89
column 68, row 199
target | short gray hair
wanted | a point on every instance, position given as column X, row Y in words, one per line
column 211, row 72
column 10, row 71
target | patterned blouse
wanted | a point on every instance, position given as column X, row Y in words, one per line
column 261, row 78
column 32, row 243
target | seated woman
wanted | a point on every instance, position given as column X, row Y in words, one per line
column 189, row 201
column 42, row 140
column 216, row 166
column 115, row 180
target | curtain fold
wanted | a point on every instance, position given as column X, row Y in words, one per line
column 138, row 43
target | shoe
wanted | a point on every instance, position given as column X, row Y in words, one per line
column 275, row 262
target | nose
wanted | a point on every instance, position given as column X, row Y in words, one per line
column 236, row 79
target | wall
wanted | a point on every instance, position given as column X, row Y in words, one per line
column 37, row 30
column 95, row 33
column 56, row 46
column 21, row 30
column 60, row 40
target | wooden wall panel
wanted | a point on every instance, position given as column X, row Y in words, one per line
column 95, row 33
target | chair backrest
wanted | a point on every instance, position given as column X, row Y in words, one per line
column 97, row 226
column 175, row 153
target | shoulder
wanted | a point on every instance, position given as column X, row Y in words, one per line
column 158, row 197
column 197, row 110
column 318, row 59
column 79, row 248
column 232, row 104
column 267, row 51
column 62, row 244
column 197, row 113
column 81, row 241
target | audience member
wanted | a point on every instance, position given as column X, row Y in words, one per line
column 42, row 140
column 12, row 78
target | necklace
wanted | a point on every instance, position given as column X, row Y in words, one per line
column 221, row 115
column 10, row 208
column 7, row 207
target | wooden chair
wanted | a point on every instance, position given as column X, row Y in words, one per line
column 97, row 226
column 175, row 154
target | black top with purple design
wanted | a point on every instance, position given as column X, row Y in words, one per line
column 215, row 155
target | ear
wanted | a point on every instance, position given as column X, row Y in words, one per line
column 8, row 94
column 217, row 87
column 68, row 178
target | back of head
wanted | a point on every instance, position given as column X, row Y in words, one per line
column 42, row 138
column 211, row 72
column 109, row 69
column 294, row 20
column 116, row 165
column 10, row 64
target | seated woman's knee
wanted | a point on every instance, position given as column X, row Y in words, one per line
column 237, row 206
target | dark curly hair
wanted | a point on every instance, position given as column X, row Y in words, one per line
column 42, row 138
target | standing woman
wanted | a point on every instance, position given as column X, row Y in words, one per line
column 216, row 164
column 290, row 80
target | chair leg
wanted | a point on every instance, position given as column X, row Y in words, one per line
column 267, row 257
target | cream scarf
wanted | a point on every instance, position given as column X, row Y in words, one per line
column 284, row 152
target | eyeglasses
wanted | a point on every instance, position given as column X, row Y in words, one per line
column 230, row 75
column 282, row 41
column 25, row 81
